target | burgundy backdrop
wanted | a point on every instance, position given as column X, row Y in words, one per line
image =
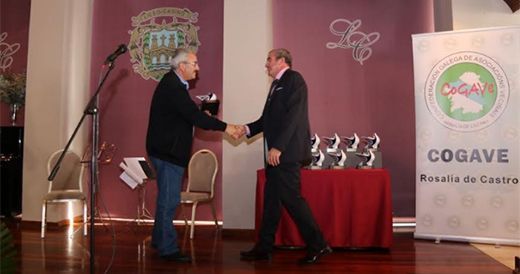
column 125, row 98
column 14, row 19
column 347, row 97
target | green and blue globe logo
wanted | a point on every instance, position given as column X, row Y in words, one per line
column 466, row 91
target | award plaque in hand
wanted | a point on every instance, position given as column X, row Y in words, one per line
column 211, row 106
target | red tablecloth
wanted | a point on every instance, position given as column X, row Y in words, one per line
column 352, row 207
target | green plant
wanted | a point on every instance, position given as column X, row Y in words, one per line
column 7, row 250
column 12, row 88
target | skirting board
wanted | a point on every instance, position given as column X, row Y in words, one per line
column 457, row 238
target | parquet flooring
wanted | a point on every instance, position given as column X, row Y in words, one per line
column 214, row 253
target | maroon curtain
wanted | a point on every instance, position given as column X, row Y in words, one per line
column 373, row 93
column 125, row 98
column 14, row 23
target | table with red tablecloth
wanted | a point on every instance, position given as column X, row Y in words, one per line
column 353, row 207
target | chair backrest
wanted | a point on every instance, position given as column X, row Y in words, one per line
column 70, row 174
column 202, row 171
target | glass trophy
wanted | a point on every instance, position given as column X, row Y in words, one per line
column 317, row 156
column 317, row 160
column 351, row 147
column 367, row 159
column 339, row 158
column 372, row 142
column 334, row 152
column 371, row 153
column 209, row 103
column 352, row 143
column 332, row 143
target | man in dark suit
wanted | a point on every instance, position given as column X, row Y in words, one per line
column 285, row 124
column 168, row 143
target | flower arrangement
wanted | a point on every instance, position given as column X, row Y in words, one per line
column 12, row 88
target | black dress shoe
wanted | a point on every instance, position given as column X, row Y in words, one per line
column 176, row 257
column 254, row 254
column 313, row 257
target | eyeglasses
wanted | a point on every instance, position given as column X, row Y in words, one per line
column 194, row 64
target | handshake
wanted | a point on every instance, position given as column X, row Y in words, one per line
column 236, row 131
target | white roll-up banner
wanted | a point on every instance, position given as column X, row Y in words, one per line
column 467, row 108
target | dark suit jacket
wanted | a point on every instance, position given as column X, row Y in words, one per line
column 285, row 119
column 172, row 117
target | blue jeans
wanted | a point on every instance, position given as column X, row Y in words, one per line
column 169, row 182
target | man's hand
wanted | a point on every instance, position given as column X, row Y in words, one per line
column 273, row 156
column 235, row 131
column 241, row 131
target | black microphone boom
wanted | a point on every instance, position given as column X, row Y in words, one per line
column 120, row 50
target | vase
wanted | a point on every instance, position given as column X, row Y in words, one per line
column 14, row 111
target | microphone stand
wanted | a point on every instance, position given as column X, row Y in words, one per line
column 90, row 109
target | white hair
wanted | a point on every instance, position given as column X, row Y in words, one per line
column 179, row 55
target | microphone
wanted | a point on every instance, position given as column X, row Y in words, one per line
column 120, row 50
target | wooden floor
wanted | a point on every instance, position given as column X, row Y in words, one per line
column 214, row 253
